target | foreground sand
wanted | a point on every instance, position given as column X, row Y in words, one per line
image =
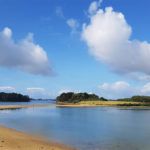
column 13, row 140
column 102, row 103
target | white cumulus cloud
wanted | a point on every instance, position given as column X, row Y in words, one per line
column 119, row 85
column 24, row 55
column 7, row 89
column 37, row 92
column 118, row 89
column 146, row 89
column 122, row 89
column 108, row 37
column 94, row 7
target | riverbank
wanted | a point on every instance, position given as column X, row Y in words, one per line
column 13, row 140
column 102, row 103
column 3, row 107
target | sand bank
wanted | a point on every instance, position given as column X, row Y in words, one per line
column 13, row 140
column 23, row 106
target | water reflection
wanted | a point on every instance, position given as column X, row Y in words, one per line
column 85, row 128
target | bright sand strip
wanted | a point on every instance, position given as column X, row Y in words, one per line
column 23, row 106
column 13, row 140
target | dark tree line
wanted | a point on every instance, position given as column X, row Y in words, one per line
column 13, row 97
column 137, row 99
column 72, row 97
column 77, row 97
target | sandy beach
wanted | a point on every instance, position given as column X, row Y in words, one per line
column 3, row 107
column 13, row 140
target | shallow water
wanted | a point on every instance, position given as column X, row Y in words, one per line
column 29, row 103
column 100, row 128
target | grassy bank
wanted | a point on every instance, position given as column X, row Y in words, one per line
column 91, row 103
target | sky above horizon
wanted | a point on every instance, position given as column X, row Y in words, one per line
column 52, row 46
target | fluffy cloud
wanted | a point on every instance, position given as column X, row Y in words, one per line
column 119, row 85
column 24, row 55
column 36, row 92
column 121, row 89
column 108, row 36
column 94, row 7
column 146, row 89
column 35, row 89
column 117, row 89
column 73, row 24
column 7, row 89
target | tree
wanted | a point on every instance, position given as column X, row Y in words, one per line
column 13, row 97
column 76, row 97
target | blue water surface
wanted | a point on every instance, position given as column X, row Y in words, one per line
column 99, row 128
column 29, row 103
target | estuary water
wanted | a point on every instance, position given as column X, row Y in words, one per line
column 99, row 128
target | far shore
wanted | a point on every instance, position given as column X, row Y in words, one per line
column 11, row 139
column 3, row 107
column 103, row 104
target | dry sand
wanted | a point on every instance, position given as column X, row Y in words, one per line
column 3, row 107
column 13, row 140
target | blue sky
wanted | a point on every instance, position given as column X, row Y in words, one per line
column 45, row 50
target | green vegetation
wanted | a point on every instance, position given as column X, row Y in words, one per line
column 145, row 99
column 85, row 99
column 13, row 97
column 71, row 97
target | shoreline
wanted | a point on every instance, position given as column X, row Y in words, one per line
column 11, row 139
column 4, row 107
column 80, row 104
column 104, row 104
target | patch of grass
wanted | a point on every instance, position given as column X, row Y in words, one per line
column 105, row 103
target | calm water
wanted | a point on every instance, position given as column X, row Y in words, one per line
column 28, row 103
column 100, row 128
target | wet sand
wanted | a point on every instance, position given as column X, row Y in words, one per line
column 11, row 139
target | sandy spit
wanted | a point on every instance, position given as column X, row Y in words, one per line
column 3, row 107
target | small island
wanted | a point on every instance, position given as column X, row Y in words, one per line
column 72, row 99
column 13, row 97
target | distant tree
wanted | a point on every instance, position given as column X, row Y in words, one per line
column 140, row 98
column 76, row 97
column 65, row 96
column 136, row 99
column 124, row 99
column 103, row 99
column 13, row 97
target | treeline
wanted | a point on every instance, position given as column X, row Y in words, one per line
column 77, row 97
column 72, row 97
column 13, row 97
column 137, row 99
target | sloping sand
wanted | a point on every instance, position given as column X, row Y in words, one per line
column 13, row 140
